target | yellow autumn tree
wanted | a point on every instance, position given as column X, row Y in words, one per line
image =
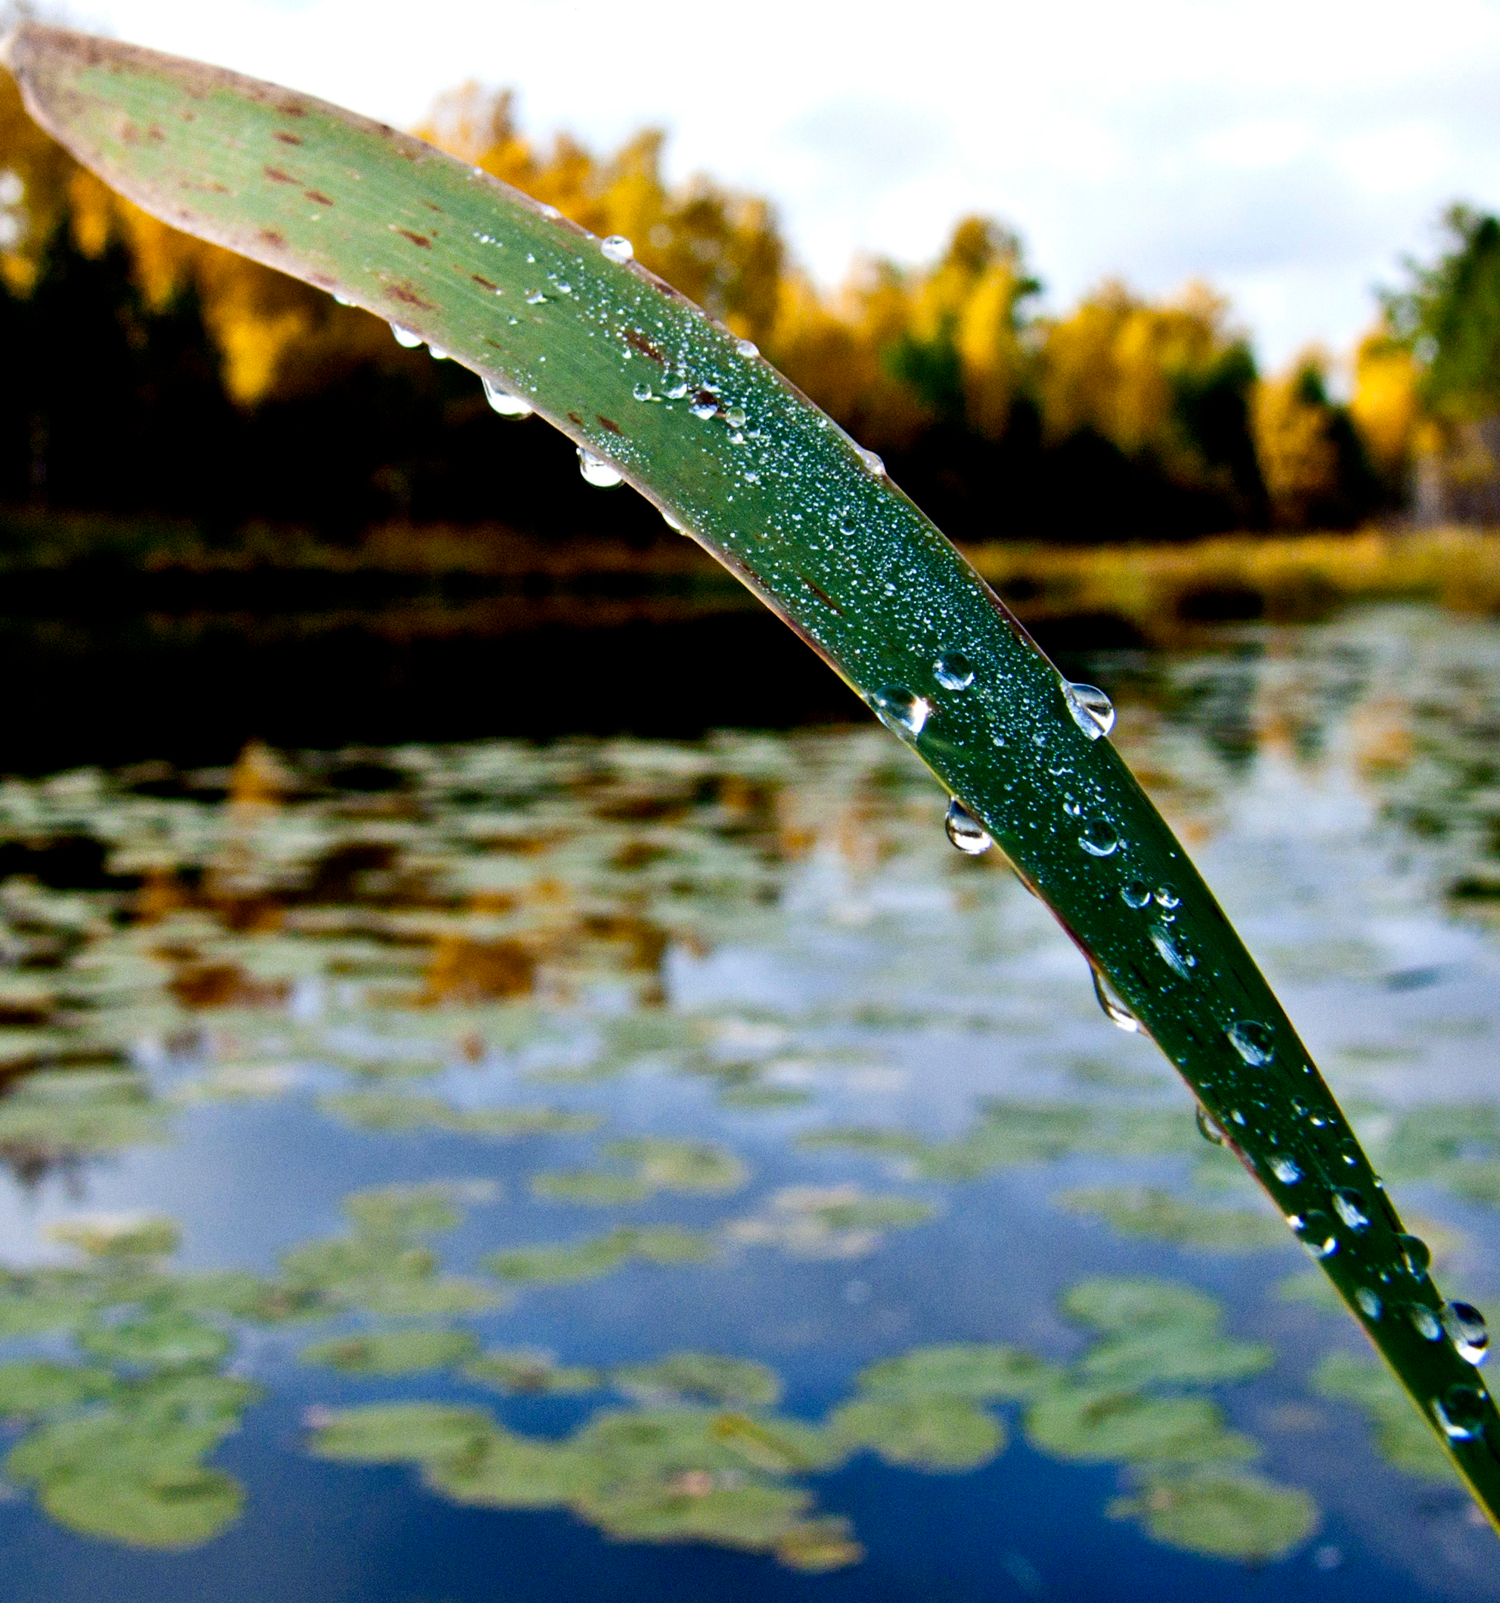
column 1294, row 440
column 1384, row 405
column 1119, row 364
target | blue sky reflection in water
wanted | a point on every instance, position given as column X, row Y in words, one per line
column 685, row 1142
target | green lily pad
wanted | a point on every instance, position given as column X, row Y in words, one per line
column 1148, row 1211
column 167, row 1340
column 170, row 1511
column 666, row 1165
column 1101, row 1424
column 700, row 1378
column 1402, row 1436
column 504, row 1470
column 1222, row 1513
column 819, row 1546
column 118, row 1235
column 922, row 1432
column 966, row 1370
column 593, row 1188
column 393, row 1352
column 29, row 1388
column 45, row 1300
column 399, row 1433
column 522, row 1370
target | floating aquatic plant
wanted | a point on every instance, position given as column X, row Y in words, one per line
column 655, row 394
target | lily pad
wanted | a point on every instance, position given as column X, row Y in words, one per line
column 666, row 1165
column 708, row 1378
column 523, row 1371
column 1222, row 1513
column 594, row 1188
column 30, row 1388
column 965, row 1370
column 1402, row 1437
column 398, row 1433
column 167, row 1340
column 1102, row 1424
column 922, row 1432
column 1163, row 1216
column 393, row 1352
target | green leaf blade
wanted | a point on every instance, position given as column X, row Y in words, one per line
column 636, row 375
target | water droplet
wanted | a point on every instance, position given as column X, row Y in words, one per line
column 1237, row 1116
column 899, row 709
column 1181, row 963
column 1208, row 1129
column 1092, row 710
column 617, row 248
column 1461, row 1412
column 535, row 298
column 965, row 830
column 1136, row 893
column 1425, row 1322
column 1114, row 1010
column 705, row 405
column 735, row 417
column 1467, row 1331
column 953, row 671
column 1350, row 1207
column 672, row 523
column 1417, row 1254
column 870, row 460
column 1166, row 896
column 503, row 402
column 343, row 300
column 1314, row 1229
column 748, row 348
column 642, row 392
column 1369, row 1303
column 1099, row 839
column 752, row 476
column 551, row 213
column 597, row 471
column 1286, row 1171
column 677, row 389
column 1253, row 1042
column 405, row 337
column 564, row 288
column 437, row 353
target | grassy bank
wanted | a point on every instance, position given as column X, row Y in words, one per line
column 457, row 572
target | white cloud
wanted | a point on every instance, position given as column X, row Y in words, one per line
column 1290, row 151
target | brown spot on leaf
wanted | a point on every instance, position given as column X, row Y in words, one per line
column 288, row 138
column 416, row 238
column 610, row 424
column 316, row 195
column 292, row 108
column 269, row 236
column 276, row 175
column 432, row 207
column 482, row 281
column 408, row 296
column 822, row 595
column 573, row 417
column 494, row 343
column 638, row 342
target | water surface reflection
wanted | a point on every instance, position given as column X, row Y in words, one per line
column 672, row 1168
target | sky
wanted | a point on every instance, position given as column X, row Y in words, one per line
column 1291, row 152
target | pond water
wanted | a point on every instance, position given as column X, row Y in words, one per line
column 625, row 1168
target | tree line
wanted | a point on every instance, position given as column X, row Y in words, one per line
column 148, row 372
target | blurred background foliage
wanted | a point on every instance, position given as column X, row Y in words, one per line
column 153, row 373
